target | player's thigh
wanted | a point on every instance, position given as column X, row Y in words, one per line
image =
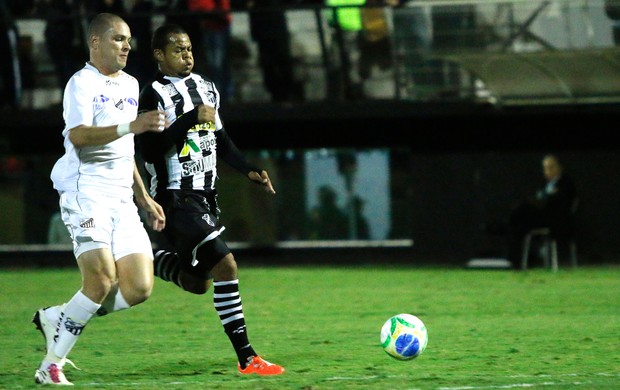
column 129, row 236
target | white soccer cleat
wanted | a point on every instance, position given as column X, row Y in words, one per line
column 46, row 321
column 52, row 375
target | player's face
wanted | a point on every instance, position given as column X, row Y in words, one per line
column 177, row 57
column 112, row 48
column 551, row 168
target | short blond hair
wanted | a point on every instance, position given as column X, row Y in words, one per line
column 102, row 22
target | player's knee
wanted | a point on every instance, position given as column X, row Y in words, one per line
column 138, row 293
column 97, row 288
column 198, row 286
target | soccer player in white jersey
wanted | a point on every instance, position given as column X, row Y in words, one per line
column 182, row 163
column 98, row 182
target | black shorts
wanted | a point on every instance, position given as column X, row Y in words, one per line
column 193, row 227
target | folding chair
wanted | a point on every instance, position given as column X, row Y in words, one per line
column 551, row 244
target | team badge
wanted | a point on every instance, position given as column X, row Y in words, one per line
column 87, row 223
column 208, row 219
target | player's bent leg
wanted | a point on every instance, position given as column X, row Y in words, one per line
column 227, row 302
column 225, row 269
column 167, row 267
column 135, row 279
column 194, row 284
column 98, row 273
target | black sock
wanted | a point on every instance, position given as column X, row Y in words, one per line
column 166, row 266
column 227, row 302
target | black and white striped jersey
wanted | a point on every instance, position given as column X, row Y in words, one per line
column 184, row 156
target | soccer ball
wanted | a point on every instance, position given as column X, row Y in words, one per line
column 404, row 337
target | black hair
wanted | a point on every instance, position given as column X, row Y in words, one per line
column 163, row 32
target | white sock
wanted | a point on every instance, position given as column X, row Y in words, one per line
column 75, row 316
column 113, row 302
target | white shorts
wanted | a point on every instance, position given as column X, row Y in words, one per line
column 99, row 221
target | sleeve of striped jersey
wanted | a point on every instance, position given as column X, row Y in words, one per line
column 228, row 151
column 153, row 145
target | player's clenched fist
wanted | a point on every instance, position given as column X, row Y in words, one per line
column 206, row 113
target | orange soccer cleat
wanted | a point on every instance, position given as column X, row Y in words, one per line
column 260, row 366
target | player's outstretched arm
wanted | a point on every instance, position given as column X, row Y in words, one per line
column 83, row 135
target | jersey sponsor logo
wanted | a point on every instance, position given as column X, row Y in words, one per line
column 207, row 143
column 111, row 82
column 100, row 99
column 188, row 147
column 170, row 89
column 209, row 126
column 204, row 164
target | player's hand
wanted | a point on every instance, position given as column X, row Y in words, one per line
column 206, row 113
column 150, row 121
column 262, row 179
column 155, row 214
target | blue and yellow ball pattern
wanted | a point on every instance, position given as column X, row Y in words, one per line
column 404, row 336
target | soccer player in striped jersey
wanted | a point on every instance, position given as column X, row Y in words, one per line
column 181, row 162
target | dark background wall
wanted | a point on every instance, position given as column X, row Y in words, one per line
column 460, row 198
column 465, row 166
column 458, row 168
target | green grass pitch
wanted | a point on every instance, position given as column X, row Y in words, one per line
column 487, row 329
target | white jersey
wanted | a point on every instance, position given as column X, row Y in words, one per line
column 93, row 99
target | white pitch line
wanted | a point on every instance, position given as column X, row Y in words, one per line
column 515, row 385
column 613, row 374
column 352, row 378
column 150, row 384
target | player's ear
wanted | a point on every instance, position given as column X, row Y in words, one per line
column 158, row 54
column 94, row 41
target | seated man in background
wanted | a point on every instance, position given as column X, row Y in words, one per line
column 552, row 207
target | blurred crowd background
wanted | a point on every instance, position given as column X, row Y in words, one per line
column 412, row 124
